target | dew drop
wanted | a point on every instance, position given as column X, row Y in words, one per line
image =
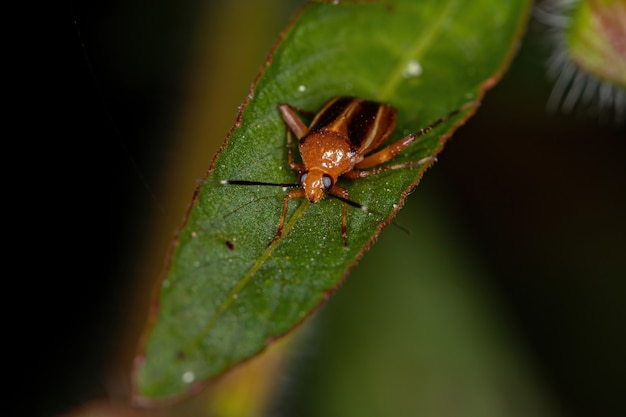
column 188, row 377
column 302, row 88
column 412, row 69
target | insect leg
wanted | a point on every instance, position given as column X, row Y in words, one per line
column 395, row 148
column 293, row 165
column 344, row 224
column 293, row 122
column 355, row 173
column 299, row 193
column 342, row 194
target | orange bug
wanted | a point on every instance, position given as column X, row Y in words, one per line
column 341, row 141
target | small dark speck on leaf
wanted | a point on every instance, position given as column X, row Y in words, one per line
column 230, row 245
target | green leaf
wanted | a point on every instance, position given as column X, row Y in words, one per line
column 227, row 294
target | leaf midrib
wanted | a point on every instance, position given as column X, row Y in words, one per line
column 232, row 295
column 414, row 53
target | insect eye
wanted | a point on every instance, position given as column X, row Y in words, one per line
column 303, row 176
column 327, row 181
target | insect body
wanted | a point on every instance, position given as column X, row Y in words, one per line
column 342, row 141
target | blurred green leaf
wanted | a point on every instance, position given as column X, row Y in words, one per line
column 595, row 39
column 227, row 294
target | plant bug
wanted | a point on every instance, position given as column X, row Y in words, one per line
column 342, row 141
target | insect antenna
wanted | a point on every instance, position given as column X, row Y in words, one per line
column 245, row 182
column 427, row 129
